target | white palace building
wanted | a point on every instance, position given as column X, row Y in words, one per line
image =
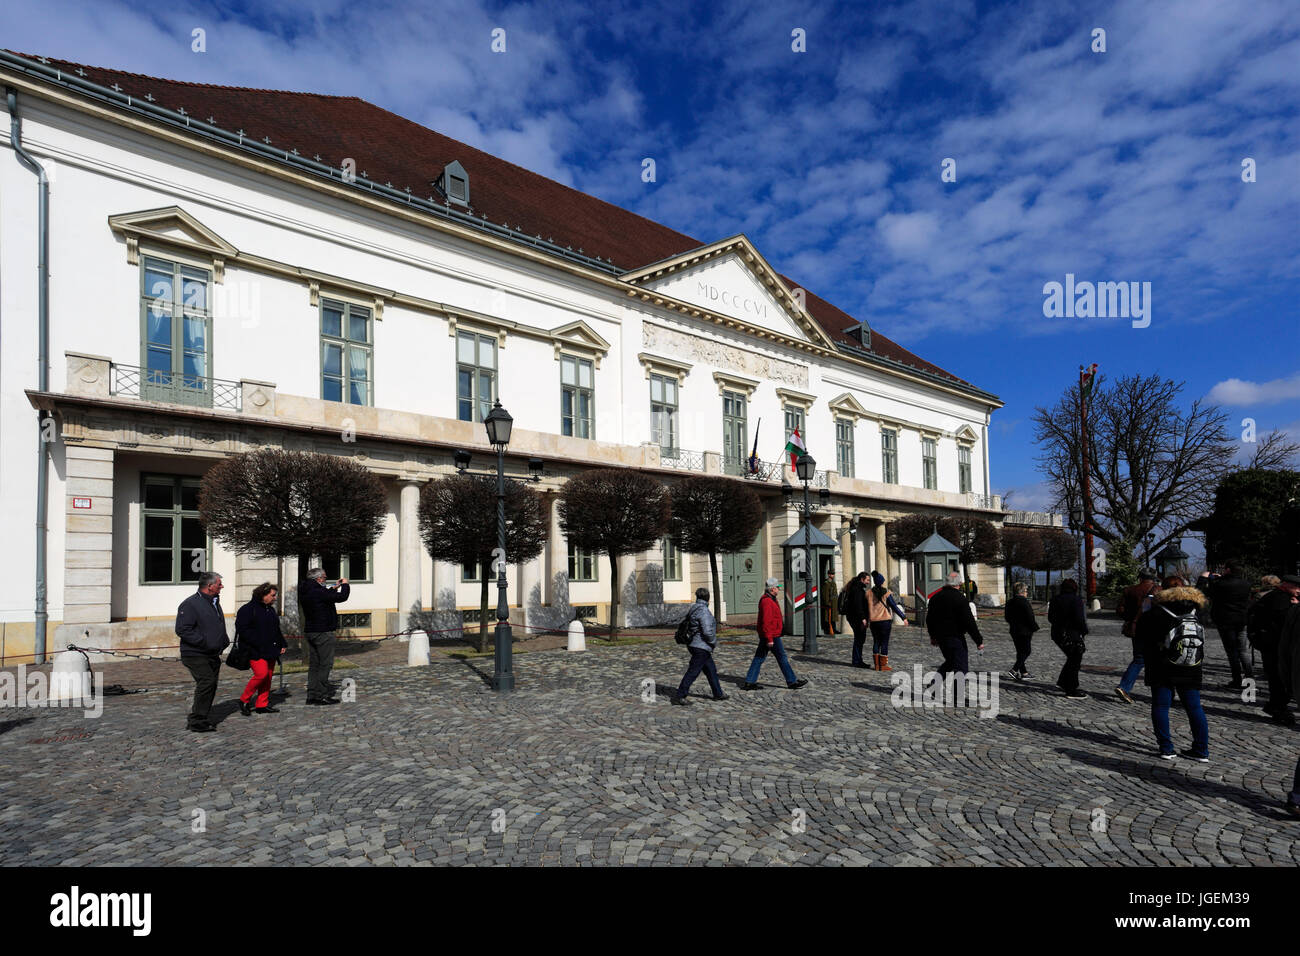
column 231, row 269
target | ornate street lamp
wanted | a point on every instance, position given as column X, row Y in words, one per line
column 498, row 423
column 806, row 468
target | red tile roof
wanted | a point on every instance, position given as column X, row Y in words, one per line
column 388, row 148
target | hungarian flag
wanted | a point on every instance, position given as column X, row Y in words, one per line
column 799, row 599
column 1086, row 380
column 794, row 445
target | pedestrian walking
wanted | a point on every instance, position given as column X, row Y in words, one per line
column 201, row 627
column 1134, row 601
column 857, row 611
column 1069, row 626
column 770, row 625
column 702, row 628
column 830, row 597
column 881, row 610
column 1264, row 623
column 1021, row 621
column 1172, row 641
column 320, row 629
column 948, row 620
column 1229, row 599
column 257, row 627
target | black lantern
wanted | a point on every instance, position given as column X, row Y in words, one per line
column 805, row 467
column 498, row 423
column 535, row 469
column 787, row 491
column 462, row 459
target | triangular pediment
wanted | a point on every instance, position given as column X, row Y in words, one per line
column 171, row 225
column 848, row 406
column 582, row 335
column 731, row 278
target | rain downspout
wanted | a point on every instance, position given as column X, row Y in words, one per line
column 43, row 368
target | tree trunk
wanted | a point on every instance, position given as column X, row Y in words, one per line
column 613, row 597
column 717, row 591
column 1049, row 582
column 483, row 605
column 304, row 565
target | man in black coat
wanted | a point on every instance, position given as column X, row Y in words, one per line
column 948, row 619
column 1019, row 615
column 857, row 613
column 201, row 626
column 1229, row 597
column 1264, row 623
column 320, row 624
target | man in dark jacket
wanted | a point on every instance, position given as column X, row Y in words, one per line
column 1130, row 608
column 1166, row 677
column 1019, row 615
column 1264, row 623
column 703, row 630
column 857, row 613
column 1229, row 597
column 949, row 620
column 320, row 623
column 201, row 627
column 1069, row 621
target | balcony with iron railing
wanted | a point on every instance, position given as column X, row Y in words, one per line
column 132, row 381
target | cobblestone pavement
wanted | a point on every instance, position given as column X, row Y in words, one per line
column 575, row 768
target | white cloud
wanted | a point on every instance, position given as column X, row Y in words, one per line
column 1240, row 392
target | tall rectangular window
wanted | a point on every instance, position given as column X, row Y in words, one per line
column 663, row 413
column 889, row 456
column 672, row 560
column 176, row 327
column 476, row 373
column 734, row 433
column 844, row 446
column 471, row 571
column 346, row 353
column 173, row 545
column 354, row 565
column 582, row 564
column 793, row 421
column 963, row 468
column 576, row 385
column 930, row 463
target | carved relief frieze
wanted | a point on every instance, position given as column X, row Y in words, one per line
column 721, row 355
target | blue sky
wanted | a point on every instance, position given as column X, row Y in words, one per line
column 1117, row 166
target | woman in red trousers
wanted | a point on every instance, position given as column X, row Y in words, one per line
column 257, row 627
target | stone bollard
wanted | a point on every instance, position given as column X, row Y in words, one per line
column 577, row 636
column 417, row 654
column 70, row 677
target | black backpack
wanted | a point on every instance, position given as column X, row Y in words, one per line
column 842, row 605
column 1184, row 643
column 683, row 635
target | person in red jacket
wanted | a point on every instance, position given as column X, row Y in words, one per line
column 770, row 625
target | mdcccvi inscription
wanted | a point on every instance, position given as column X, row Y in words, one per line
column 742, row 303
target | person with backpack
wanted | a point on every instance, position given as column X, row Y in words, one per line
column 770, row 624
column 882, row 608
column 1019, row 615
column 949, row 620
column 1173, row 646
column 1069, row 627
column 1134, row 601
column 699, row 631
column 854, row 605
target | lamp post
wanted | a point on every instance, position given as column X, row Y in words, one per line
column 499, row 423
column 1076, row 525
column 806, row 467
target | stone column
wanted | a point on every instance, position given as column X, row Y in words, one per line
column 88, row 539
column 250, row 572
column 409, row 599
column 881, row 556
column 530, row 578
column 557, row 561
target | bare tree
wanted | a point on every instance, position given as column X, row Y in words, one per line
column 273, row 503
column 903, row 535
column 977, row 540
column 1275, row 453
column 1021, row 548
column 715, row 515
column 1154, row 465
column 458, row 522
column 1060, row 551
column 616, row 511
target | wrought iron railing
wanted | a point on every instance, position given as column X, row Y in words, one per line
column 131, row 381
column 682, row 459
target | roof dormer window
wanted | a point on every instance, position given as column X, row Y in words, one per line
column 860, row 332
column 454, row 183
